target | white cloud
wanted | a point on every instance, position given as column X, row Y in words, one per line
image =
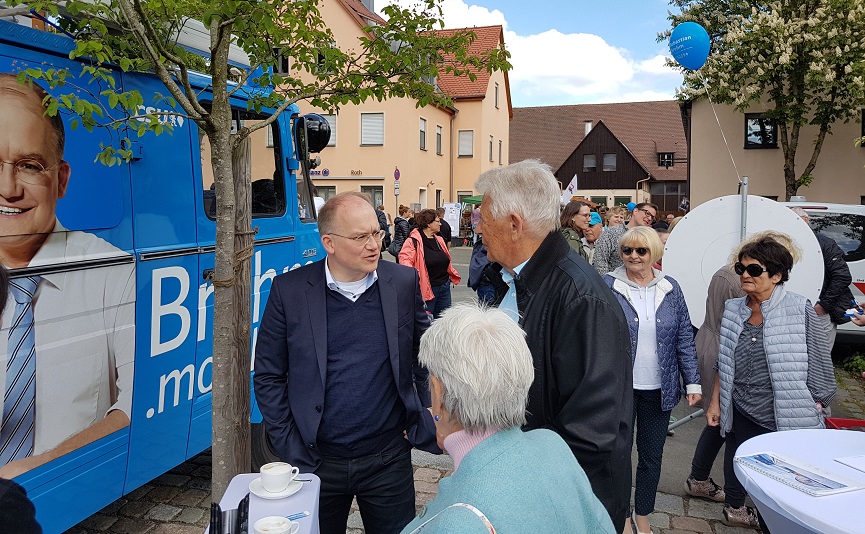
column 552, row 68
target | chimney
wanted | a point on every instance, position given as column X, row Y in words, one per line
column 588, row 127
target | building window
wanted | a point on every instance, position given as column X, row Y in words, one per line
column 760, row 131
column 375, row 192
column 465, row 148
column 282, row 65
column 372, row 129
column 491, row 148
column 600, row 201
column 621, row 201
column 609, row 162
column 325, row 58
column 331, row 120
column 423, row 134
column 439, row 140
column 497, row 95
column 665, row 159
column 326, row 191
column 590, row 163
column 500, row 151
column 863, row 127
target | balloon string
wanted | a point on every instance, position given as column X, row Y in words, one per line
column 724, row 137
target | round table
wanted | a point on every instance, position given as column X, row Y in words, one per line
column 789, row 511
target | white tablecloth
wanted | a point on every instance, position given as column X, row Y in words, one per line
column 789, row 511
column 305, row 499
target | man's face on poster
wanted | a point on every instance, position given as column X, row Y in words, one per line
column 28, row 197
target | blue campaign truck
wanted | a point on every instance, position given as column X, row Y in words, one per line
column 120, row 300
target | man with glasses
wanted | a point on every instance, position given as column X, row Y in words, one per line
column 607, row 257
column 334, row 364
column 67, row 334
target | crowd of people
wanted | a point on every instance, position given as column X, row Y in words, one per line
column 577, row 347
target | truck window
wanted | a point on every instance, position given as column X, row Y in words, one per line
column 268, row 183
column 846, row 229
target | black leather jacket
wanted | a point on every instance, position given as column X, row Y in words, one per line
column 579, row 340
column 835, row 296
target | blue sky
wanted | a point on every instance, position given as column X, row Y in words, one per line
column 576, row 51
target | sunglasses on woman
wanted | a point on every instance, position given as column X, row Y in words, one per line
column 753, row 270
column 641, row 251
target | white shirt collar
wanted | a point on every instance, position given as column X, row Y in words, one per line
column 343, row 287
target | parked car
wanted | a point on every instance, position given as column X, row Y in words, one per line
column 845, row 223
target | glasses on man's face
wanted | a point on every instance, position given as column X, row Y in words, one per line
column 754, row 270
column 28, row 170
column 648, row 213
column 641, row 251
column 362, row 240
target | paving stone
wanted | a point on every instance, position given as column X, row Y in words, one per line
column 199, row 483
column 170, row 479
column 425, row 474
column 202, row 471
column 677, row 531
column 98, row 522
column 354, row 531
column 163, row 493
column 704, row 509
column 135, row 509
column 140, row 492
column 126, row 525
column 354, row 521
column 112, row 508
column 426, row 487
column 184, row 468
column 421, row 499
column 172, row 528
column 721, row 528
column 691, row 523
column 659, row 520
column 190, row 515
column 163, row 512
column 191, row 497
column 671, row 504
column 77, row 530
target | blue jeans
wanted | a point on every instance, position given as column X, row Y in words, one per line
column 486, row 294
column 441, row 299
column 651, row 427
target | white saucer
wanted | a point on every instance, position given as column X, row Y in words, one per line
column 258, row 490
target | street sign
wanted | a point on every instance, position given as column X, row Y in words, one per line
column 396, row 173
column 396, row 188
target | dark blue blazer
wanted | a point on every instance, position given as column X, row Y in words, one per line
column 291, row 358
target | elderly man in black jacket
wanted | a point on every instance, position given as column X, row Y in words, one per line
column 575, row 329
column 835, row 296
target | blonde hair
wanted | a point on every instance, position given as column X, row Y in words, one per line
column 674, row 223
column 780, row 237
column 615, row 210
column 643, row 236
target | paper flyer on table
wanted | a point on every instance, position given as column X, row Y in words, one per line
column 798, row 475
column 856, row 461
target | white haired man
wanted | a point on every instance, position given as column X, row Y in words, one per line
column 575, row 329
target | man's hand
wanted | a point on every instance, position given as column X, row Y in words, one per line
column 859, row 319
column 819, row 309
column 713, row 414
column 694, row 398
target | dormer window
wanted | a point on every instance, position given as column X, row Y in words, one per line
column 666, row 159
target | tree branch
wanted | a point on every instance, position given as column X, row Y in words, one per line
column 14, row 11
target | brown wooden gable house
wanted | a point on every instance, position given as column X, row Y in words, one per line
column 643, row 144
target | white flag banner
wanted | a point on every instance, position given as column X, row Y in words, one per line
column 569, row 191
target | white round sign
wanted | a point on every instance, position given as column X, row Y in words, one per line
column 702, row 242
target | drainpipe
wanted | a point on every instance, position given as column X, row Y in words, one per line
column 451, row 159
column 637, row 188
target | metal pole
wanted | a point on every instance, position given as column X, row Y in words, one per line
column 743, row 192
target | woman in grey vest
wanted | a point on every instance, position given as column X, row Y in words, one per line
column 774, row 367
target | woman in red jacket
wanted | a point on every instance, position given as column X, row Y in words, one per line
column 426, row 251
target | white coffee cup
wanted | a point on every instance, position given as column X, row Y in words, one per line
column 276, row 476
column 275, row 524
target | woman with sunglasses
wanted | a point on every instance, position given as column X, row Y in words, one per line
column 662, row 352
column 774, row 367
column 426, row 251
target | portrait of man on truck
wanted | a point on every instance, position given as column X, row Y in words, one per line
column 67, row 332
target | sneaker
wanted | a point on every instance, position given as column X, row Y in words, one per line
column 744, row 516
column 706, row 489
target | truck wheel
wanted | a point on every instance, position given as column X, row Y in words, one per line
column 262, row 450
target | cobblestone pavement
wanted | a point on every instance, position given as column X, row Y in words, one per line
column 178, row 502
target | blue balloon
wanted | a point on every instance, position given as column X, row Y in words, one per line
column 631, row 206
column 689, row 44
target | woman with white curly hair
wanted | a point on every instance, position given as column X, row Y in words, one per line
column 504, row 479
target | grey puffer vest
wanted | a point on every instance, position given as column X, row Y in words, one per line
column 784, row 341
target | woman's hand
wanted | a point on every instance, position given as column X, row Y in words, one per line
column 694, row 398
column 713, row 414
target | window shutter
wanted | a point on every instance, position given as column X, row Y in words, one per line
column 466, row 143
column 372, row 129
column 331, row 120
